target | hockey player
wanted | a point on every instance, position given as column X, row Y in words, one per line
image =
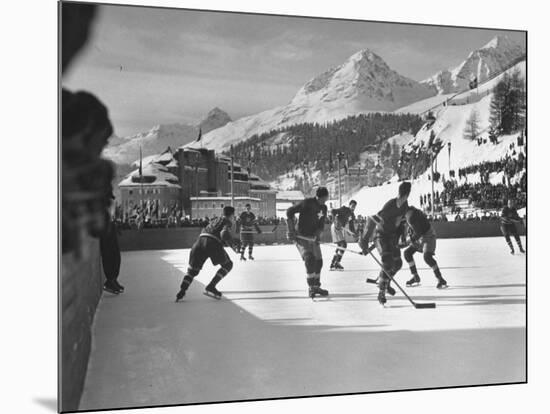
column 422, row 239
column 210, row 245
column 343, row 217
column 508, row 219
column 313, row 213
column 247, row 222
column 389, row 228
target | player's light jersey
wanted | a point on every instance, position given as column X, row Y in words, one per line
column 343, row 216
column 509, row 215
column 220, row 228
column 418, row 222
column 247, row 220
column 392, row 217
column 312, row 216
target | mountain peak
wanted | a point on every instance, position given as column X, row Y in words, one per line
column 483, row 63
column 499, row 41
column 216, row 118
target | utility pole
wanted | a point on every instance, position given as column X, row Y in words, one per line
column 339, row 183
column 449, row 148
column 232, row 179
column 432, row 177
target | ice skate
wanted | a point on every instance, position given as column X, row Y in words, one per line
column 212, row 292
column 243, row 259
column 382, row 297
column 442, row 284
column 118, row 285
column 250, row 257
column 317, row 290
column 180, row 295
column 414, row 281
column 390, row 290
column 111, row 287
column 338, row 266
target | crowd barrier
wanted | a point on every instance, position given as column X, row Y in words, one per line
column 181, row 238
column 80, row 290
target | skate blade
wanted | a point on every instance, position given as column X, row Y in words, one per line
column 443, row 287
column 414, row 285
column 211, row 295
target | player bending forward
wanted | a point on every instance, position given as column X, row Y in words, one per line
column 247, row 222
column 389, row 228
column 311, row 221
column 422, row 239
column 508, row 219
column 343, row 217
column 210, row 245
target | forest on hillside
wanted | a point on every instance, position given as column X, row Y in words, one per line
column 314, row 146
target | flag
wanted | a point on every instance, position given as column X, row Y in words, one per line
column 200, row 135
column 346, row 166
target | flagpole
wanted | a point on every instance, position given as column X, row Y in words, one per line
column 141, row 183
column 232, row 179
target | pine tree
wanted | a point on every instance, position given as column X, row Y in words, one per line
column 471, row 130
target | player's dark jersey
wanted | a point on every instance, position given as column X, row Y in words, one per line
column 312, row 216
column 219, row 228
column 247, row 221
column 418, row 222
column 509, row 216
column 343, row 216
column 392, row 217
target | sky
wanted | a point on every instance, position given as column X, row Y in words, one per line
column 156, row 66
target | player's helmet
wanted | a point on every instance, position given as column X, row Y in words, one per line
column 353, row 203
column 228, row 211
column 321, row 192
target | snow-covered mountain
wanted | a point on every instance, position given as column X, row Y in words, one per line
column 154, row 141
column 125, row 150
column 363, row 83
column 483, row 63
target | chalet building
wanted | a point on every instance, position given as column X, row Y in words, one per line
column 188, row 176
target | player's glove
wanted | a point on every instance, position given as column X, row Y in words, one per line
column 291, row 236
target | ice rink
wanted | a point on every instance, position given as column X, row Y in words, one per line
column 267, row 339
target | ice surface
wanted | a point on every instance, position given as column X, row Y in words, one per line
column 267, row 339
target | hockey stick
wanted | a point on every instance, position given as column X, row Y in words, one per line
column 429, row 305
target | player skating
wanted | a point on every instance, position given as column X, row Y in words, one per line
column 313, row 213
column 422, row 239
column 344, row 220
column 210, row 245
column 508, row 219
column 389, row 228
column 248, row 223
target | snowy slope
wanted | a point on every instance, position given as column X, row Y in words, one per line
column 364, row 83
column 448, row 127
column 481, row 64
column 469, row 95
